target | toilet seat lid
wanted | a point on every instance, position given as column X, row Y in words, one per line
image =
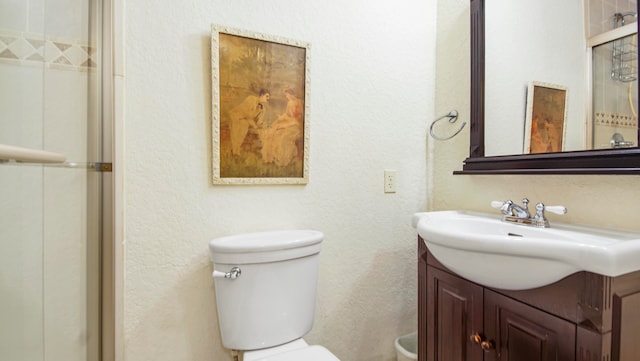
column 311, row 353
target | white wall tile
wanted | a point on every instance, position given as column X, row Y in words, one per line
column 67, row 18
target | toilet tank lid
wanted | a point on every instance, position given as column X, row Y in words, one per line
column 265, row 241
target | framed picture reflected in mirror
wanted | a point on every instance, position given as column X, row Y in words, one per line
column 546, row 118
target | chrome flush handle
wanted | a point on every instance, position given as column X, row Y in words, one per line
column 234, row 273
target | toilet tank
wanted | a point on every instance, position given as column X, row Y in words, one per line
column 272, row 301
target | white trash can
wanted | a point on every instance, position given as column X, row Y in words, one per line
column 407, row 347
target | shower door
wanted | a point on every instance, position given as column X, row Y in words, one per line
column 51, row 218
column 614, row 90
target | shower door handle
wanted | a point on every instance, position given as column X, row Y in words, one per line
column 29, row 155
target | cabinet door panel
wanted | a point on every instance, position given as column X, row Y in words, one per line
column 523, row 333
column 454, row 313
column 626, row 318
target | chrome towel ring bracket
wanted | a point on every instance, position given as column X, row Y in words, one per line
column 452, row 116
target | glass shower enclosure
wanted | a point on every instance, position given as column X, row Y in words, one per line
column 54, row 152
column 614, row 104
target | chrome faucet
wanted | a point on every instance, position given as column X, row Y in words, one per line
column 511, row 209
column 520, row 214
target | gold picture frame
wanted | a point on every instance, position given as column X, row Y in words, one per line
column 260, row 106
column 546, row 118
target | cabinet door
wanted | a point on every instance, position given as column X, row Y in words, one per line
column 454, row 313
column 524, row 333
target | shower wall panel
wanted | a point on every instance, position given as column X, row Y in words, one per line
column 600, row 14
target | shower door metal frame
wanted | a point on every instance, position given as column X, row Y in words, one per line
column 104, row 145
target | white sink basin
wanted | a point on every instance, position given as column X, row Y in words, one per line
column 482, row 248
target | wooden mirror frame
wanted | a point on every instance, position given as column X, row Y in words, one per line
column 610, row 161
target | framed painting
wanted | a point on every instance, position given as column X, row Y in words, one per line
column 260, row 106
column 546, row 118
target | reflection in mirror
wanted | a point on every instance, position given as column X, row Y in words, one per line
column 615, row 94
column 551, row 47
column 526, row 42
column 546, row 118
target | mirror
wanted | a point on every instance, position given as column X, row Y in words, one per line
column 529, row 52
column 485, row 114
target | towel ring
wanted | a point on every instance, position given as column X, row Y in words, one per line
column 453, row 116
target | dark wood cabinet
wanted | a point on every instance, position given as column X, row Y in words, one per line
column 585, row 317
column 454, row 313
column 522, row 333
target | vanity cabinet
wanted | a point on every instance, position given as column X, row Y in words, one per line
column 584, row 317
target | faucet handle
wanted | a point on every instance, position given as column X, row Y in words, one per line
column 497, row 204
column 556, row 209
column 541, row 208
column 505, row 207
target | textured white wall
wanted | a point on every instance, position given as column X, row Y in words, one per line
column 372, row 81
column 598, row 200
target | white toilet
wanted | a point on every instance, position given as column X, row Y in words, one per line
column 266, row 292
